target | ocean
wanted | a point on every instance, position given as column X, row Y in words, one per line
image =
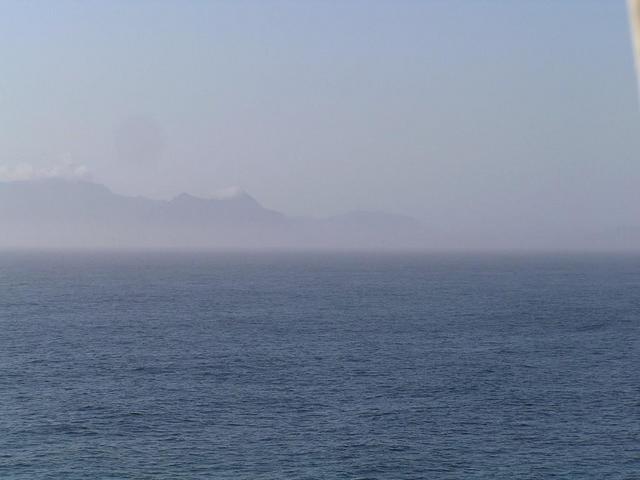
column 172, row 365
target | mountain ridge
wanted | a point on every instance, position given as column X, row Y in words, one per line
column 62, row 212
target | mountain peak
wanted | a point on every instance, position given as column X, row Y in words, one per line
column 58, row 184
column 186, row 197
column 233, row 196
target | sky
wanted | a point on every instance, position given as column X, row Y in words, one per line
column 479, row 117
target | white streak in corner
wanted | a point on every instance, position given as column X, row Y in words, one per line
column 634, row 13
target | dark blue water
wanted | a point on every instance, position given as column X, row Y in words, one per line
column 319, row 366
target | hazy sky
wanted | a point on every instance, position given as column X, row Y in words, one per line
column 518, row 116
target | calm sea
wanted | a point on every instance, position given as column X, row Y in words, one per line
column 318, row 366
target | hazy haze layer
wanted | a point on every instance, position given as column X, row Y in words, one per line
column 497, row 124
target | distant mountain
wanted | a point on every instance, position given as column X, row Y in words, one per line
column 241, row 208
column 63, row 213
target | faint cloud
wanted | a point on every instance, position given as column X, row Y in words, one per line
column 228, row 193
column 66, row 169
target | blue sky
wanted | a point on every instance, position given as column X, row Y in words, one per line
column 475, row 115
